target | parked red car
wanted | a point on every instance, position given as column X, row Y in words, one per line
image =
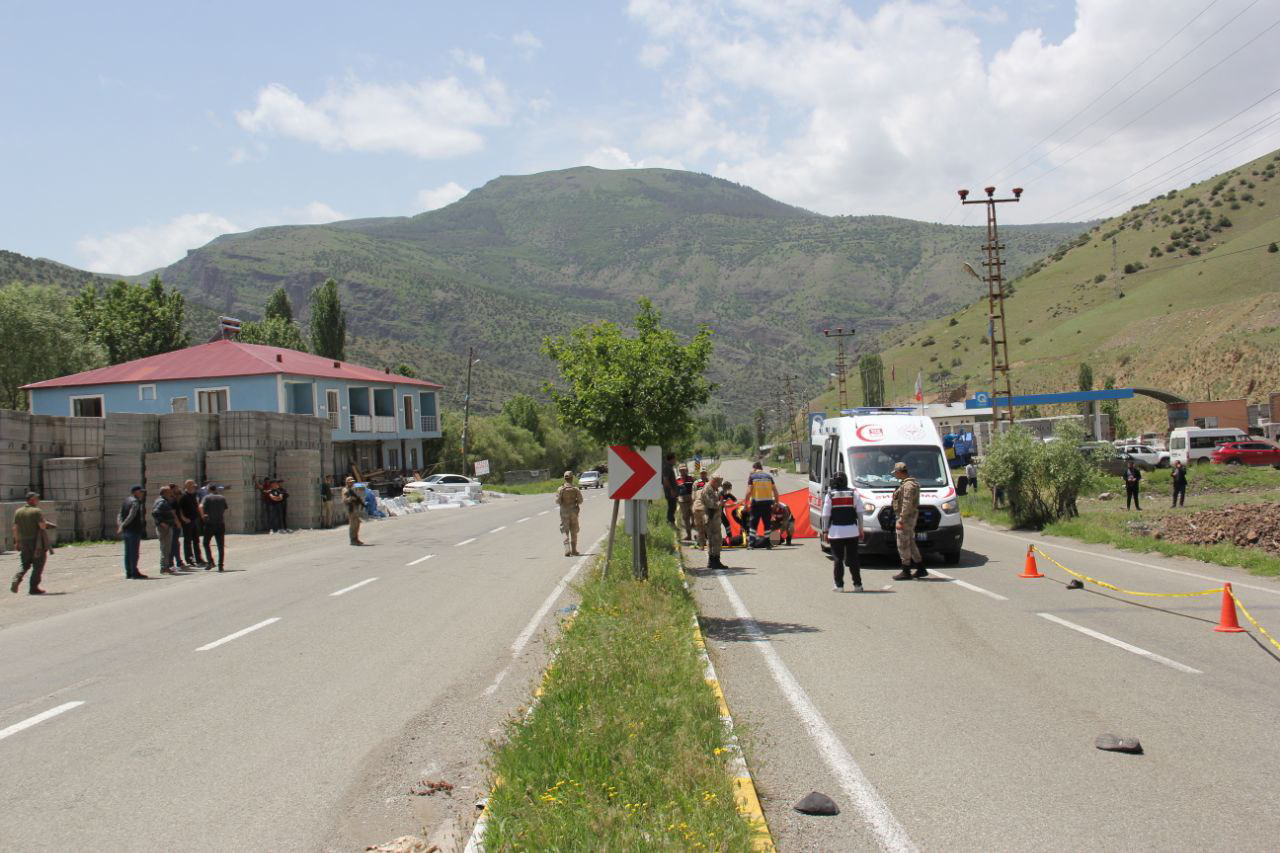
column 1247, row 453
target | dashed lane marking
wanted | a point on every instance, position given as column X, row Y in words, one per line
column 465, row 542
column 498, row 529
column 523, row 520
column 347, row 589
column 419, row 560
column 974, row 587
column 38, row 719
column 238, row 634
column 544, row 512
column 1120, row 644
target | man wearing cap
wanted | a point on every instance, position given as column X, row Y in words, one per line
column 354, row 504
column 569, row 499
column 684, row 488
column 165, row 516
column 906, row 510
column 29, row 534
column 213, row 512
column 709, row 501
column 132, row 525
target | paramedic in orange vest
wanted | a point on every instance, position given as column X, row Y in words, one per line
column 842, row 522
column 762, row 492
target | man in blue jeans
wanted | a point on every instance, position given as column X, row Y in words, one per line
column 762, row 492
column 133, row 527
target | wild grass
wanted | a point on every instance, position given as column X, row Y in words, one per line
column 624, row 750
column 538, row 487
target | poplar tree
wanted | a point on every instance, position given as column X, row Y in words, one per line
column 328, row 322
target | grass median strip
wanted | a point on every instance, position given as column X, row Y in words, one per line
column 625, row 749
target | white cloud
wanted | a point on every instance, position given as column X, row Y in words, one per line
column 146, row 247
column 472, row 61
column 527, row 42
column 428, row 119
column 891, row 110
column 436, row 197
column 241, row 154
column 613, row 157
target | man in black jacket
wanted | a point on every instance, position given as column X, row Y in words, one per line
column 133, row 527
column 1179, row 477
column 1132, row 476
column 166, row 519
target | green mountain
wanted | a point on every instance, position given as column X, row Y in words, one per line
column 523, row 257
column 1178, row 293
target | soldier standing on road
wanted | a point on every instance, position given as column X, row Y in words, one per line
column 1179, row 477
column 709, row 502
column 31, row 536
column 906, row 510
column 569, row 499
column 1132, row 477
column 684, row 487
column 353, row 504
column 699, row 512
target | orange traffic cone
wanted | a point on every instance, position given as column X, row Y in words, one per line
column 1030, row 570
column 1227, row 622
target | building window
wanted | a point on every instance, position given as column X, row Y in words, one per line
column 211, row 400
column 393, row 459
column 146, row 392
column 408, row 412
column 413, row 458
column 178, row 404
column 89, row 406
column 335, row 411
column 298, row 398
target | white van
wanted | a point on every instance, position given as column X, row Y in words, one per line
column 1193, row 444
column 864, row 446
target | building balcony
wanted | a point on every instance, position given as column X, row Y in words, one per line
column 384, row 423
column 429, row 423
column 362, row 423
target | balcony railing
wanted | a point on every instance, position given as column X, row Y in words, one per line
column 384, row 423
column 335, row 420
column 428, row 423
column 362, row 423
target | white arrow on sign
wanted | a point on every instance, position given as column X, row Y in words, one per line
column 633, row 473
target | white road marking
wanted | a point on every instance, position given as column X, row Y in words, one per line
column 1120, row 644
column 997, row 596
column 38, row 719
column 1272, row 590
column 544, row 512
column 493, row 688
column 347, row 589
column 854, row 782
column 238, row 634
column 465, row 542
column 523, row 520
column 498, row 529
column 419, row 560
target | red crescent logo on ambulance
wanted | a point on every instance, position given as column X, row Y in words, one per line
column 870, row 432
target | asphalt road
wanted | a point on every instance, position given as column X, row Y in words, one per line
column 289, row 706
column 960, row 713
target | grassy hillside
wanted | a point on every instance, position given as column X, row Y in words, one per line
column 523, row 257
column 1178, row 293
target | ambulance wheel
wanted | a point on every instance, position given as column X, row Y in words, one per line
column 952, row 557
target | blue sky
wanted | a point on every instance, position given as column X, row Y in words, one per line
column 138, row 131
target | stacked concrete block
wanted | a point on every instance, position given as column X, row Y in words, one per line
column 300, row 470
column 248, row 431
column 129, row 438
column 190, row 431
column 165, row 467
column 236, row 472
column 77, row 481
column 84, row 436
column 15, row 455
column 48, row 441
column 54, row 511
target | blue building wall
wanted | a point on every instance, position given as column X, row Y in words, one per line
column 269, row 393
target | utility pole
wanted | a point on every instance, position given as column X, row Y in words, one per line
column 842, row 394
column 1001, row 416
column 466, row 409
column 790, row 393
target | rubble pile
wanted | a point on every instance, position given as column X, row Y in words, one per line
column 1245, row 525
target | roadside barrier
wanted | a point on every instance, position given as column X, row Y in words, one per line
column 1227, row 622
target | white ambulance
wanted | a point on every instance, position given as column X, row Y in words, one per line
column 864, row 445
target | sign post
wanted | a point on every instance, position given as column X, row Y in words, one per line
column 634, row 478
column 482, row 467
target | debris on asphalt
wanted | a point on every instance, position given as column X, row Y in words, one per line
column 1075, row 583
column 404, row 844
column 1114, row 743
column 815, row 803
column 1243, row 525
column 431, row 787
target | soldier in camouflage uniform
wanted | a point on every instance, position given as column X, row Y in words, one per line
column 906, row 510
column 569, row 499
column 709, row 503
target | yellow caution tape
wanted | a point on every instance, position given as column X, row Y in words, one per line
column 1253, row 621
column 1122, row 589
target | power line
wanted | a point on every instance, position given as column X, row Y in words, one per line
column 1109, row 89
column 1157, row 104
column 1214, row 257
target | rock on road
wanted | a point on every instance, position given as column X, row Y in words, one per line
column 305, row 732
column 960, row 713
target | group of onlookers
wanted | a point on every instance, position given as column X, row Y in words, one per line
column 188, row 521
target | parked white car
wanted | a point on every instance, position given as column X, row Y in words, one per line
column 446, row 484
column 1154, row 457
column 590, row 480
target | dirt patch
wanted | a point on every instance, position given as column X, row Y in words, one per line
column 1244, row 525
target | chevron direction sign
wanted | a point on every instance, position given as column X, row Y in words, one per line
column 633, row 473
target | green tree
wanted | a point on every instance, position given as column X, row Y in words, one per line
column 39, row 342
column 272, row 331
column 1041, row 480
column 1111, row 408
column 403, row 369
column 130, row 321
column 761, row 423
column 1084, row 379
column 522, row 410
column 278, row 306
column 636, row 389
column 871, row 367
column 328, row 322
column 742, row 437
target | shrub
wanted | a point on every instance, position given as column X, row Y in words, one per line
column 928, row 342
column 1041, row 481
column 952, row 321
column 1273, row 248
column 1099, row 278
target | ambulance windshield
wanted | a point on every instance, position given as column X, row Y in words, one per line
column 872, row 467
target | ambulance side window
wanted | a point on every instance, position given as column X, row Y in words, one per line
column 815, row 463
column 831, row 456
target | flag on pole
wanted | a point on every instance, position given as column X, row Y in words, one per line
column 920, row 387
